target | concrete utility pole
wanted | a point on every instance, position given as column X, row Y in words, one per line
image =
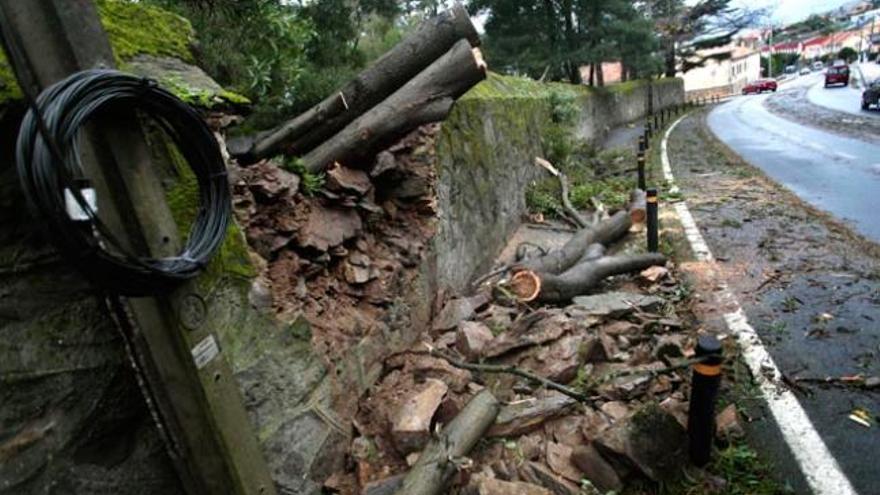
column 200, row 412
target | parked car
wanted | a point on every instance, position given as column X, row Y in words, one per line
column 871, row 95
column 790, row 69
column 760, row 86
column 805, row 71
column 818, row 65
column 837, row 74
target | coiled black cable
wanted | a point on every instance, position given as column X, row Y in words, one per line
column 50, row 164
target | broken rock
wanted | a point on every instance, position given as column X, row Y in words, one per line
column 539, row 475
column 727, row 423
column 616, row 304
column 328, row 227
column 523, row 416
column 650, row 440
column 344, row 179
column 458, row 310
column 484, row 485
column 559, row 460
column 596, row 469
column 412, row 429
column 471, row 338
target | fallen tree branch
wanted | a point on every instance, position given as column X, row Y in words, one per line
column 513, row 370
column 391, row 71
column 437, row 463
column 426, row 98
column 582, row 277
column 686, row 363
column 564, row 258
column 570, row 210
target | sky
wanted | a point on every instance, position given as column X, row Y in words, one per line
column 788, row 11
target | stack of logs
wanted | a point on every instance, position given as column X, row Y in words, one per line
column 415, row 83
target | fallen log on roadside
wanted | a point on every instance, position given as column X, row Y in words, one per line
column 437, row 463
column 413, row 54
column 426, row 98
column 528, row 285
column 638, row 209
column 564, row 258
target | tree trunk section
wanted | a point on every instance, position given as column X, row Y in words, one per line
column 413, row 54
column 638, row 210
column 426, row 98
column 561, row 260
column 434, row 468
column 583, row 277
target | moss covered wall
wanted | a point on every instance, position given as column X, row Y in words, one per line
column 486, row 157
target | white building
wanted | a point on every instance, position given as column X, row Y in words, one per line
column 724, row 76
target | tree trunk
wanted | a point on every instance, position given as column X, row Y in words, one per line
column 426, row 98
column 436, row 463
column 561, row 260
column 670, row 57
column 391, row 71
column 579, row 279
column 638, row 209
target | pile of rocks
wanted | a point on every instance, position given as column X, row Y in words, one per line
column 626, row 350
column 340, row 250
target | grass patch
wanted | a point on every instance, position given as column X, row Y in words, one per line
column 311, row 182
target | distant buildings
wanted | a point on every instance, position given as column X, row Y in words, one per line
column 726, row 76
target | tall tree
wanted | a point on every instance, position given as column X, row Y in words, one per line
column 555, row 38
column 688, row 31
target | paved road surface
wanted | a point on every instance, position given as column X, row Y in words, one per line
column 836, row 174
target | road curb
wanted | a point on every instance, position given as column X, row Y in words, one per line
column 818, row 467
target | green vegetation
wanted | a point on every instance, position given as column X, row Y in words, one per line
column 133, row 29
column 136, row 28
column 311, row 182
column 848, row 54
column 554, row 39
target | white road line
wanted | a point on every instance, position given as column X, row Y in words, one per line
column 818, row 466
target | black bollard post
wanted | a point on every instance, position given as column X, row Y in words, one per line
column 642, row 146
column 653, row 220
column 640, row 168
column 704, row 391
column 648, row 134
column 656, row 121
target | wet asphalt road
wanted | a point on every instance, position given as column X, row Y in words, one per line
column 810, row 293
column 836, row 174
column 841, row 98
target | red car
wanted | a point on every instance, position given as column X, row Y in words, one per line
column 838, row 74
column 760, row 86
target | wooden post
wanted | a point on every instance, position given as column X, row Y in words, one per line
column 212, row 445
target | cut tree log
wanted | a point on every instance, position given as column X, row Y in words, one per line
column 638, row 209
column 582, row 277
column 561, row 260
column 426, row 98
column 437, row 463
column 391, row 71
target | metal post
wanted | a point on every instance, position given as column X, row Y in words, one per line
column 642, row 144
column 653, row 219
column 640, row 168
column 211, row 442
column 704, row 391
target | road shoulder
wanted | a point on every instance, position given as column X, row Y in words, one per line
column 790, row 267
